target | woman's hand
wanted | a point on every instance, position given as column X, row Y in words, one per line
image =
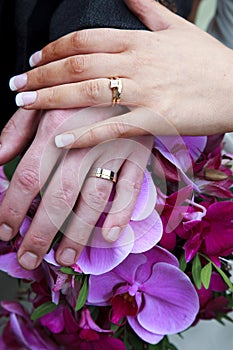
column 176, row 78
column 68, row 192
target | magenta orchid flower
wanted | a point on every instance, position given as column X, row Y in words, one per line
column 87, row 335
column 210, row 234
column 211, row 305
column 150, row 290
column 22, row 333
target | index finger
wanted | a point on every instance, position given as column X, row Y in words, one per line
column 99, row 40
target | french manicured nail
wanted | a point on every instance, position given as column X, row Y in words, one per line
column 18, row 82
column 25, row 98
column 68, row 256
column 64, row 140
column 113, row 234
column 28, row 260
column 35, row 58
column 5, row 232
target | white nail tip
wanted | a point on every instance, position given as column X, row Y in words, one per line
column 35, row 58
column 12, row 84
column 64, row 140
column 18, row 100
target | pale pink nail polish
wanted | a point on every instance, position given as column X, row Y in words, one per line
column 25, row 98
column 35, row 58
column 18, row 82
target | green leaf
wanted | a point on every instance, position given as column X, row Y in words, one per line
column 83, row 293
column 67, row 270
column 206, row 275
column 42, row 310
column 196, row 271
column 183, row 263
column 222, row 273
column 9, row 168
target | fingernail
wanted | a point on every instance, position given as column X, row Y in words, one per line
column 18, row 82
column 28, row 260
column 64, row 140
column 113, row 234
column 5, row 232
column 68, row 256
column 35, row 58
column 25, row 98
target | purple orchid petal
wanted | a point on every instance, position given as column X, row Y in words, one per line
column 14, row 307
column 174, row 149
column 145, row 335
column 25, row 226
column 192, row 246
column 16, row 328
column 100, row 288
column 102, row 256
column 173, row 299
column 86, row 321
column 195, row 145
column 9, row 264
column 50, row 258
column 28, row 336
column 146, row 200
column 148, row 232
column 54, row 320
column 4, row 184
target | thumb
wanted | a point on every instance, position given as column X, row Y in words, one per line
column 153, row 15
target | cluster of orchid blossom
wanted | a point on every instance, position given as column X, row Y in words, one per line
column 168, row 270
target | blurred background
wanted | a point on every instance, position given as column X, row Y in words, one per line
column 207, row 335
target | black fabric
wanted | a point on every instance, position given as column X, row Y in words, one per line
column 7, row 59
column 34, row 23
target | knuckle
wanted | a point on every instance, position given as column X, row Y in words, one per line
column 79, row 39
column 14, row 214
column 63, row 197
column 119, row 128
column 40, row 241
column 51, row 96
column 76, row 64
column 40, row 75
column 28, row 179
column 92, row 90
column 97, row 198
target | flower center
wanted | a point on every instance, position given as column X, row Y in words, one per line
column 123, row 305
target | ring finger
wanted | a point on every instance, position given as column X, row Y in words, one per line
column 82, row 94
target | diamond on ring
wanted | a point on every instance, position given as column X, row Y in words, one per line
column 116, row 87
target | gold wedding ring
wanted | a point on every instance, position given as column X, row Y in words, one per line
column 103, row 174
column 116, row 87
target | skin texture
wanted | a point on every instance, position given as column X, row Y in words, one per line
column 171, row 62
column 165, row 72
column 68, row 183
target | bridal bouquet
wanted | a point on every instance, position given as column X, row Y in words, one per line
column 170, row 268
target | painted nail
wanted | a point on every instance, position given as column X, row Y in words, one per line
column 25, row 98
column 28, row 260
column 35, row 58
column 64, row 140
column 17, row 82
column 113, row 234
column 68, row 256
column 5, row 232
